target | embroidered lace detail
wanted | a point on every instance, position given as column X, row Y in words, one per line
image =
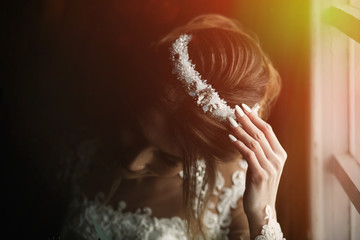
column 121, row 224
column 272, row 230
column 220, row 221
column 228, row 200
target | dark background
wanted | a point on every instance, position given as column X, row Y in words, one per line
column 61, row 57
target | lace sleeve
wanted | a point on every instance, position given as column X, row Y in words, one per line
column 272, row 230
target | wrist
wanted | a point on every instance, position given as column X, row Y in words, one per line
column 258, row 214
column 255, row 225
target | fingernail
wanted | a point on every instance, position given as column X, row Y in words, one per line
column 246, row 107
column 232, row 138
column 233, row 122
column 239, row 111
column 256, row 107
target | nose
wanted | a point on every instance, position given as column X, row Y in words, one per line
column 141, row 160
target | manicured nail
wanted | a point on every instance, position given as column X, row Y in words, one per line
column 232, row 138
column 239, row 111
column 233, row 122
column 256, row 107
column 246, row 107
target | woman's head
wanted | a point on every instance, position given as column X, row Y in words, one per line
column 232, row 61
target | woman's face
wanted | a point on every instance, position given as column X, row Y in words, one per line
column 157, row 155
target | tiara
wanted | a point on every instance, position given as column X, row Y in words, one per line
column 203, row 93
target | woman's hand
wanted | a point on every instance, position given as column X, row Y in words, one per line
column 258, row 144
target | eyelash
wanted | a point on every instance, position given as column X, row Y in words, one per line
column 166, row 160
column 139, row 138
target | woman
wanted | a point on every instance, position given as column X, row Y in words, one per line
column 180, row 166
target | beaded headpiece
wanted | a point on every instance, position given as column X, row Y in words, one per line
column 204, row 94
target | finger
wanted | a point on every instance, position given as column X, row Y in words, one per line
column 266, row 129
column 254, row 132
column 247, row 154
column 251, row 144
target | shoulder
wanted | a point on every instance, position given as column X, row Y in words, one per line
column 87, row 167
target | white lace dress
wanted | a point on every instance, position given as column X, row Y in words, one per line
column 122, row 224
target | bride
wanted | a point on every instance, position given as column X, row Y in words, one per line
column 194, row 158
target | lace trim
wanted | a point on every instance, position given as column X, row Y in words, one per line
column 271, row 231
column 120, row 224
column 227, row 200
column 134, row 225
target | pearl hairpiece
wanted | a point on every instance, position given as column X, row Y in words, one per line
column 203, row 93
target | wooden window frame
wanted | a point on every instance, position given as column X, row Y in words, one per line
column 334, row 169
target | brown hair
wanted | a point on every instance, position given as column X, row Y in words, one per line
column 232, row 61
